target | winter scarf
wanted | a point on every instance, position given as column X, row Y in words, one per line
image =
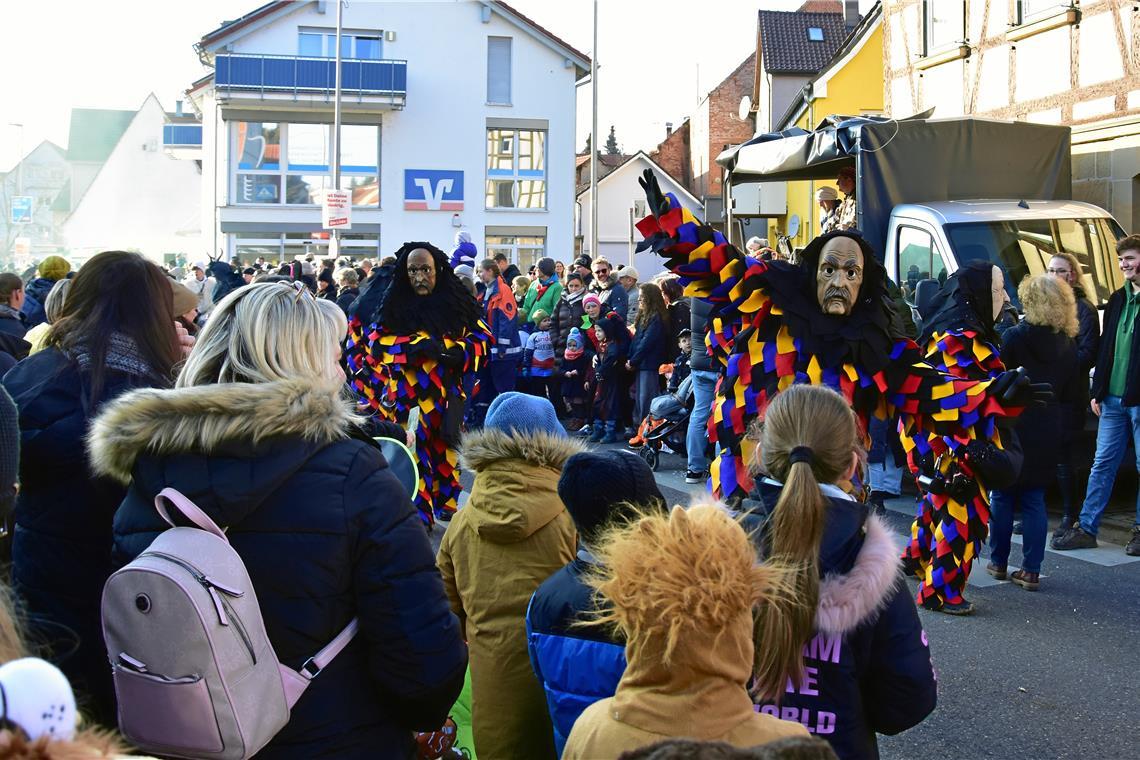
column 572, row 354
column 122, row 356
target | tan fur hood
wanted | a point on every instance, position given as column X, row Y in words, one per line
column 483, row 448
column 200, row 418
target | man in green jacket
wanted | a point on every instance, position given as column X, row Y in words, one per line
column 544, row 292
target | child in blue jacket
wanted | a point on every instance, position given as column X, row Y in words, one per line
column 578, row 665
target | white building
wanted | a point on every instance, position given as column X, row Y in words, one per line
column 621, row 204
column 140, row 199
column 456, row 114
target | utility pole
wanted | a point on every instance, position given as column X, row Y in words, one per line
column 334, row 237
column 594, row 142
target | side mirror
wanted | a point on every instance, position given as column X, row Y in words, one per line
column 924, row 293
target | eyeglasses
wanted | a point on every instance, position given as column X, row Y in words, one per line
column 422, row 271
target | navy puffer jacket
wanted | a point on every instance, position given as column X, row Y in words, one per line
column 61, row 548
column 576, row 665
column 326, row 532
column 650, row 345
column 868, row 666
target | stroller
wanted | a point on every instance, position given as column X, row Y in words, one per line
column 667, row 423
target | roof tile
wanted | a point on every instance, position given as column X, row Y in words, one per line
column 785, row 44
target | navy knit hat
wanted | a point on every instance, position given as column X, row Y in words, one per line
column 599, row 486
column 514, row 412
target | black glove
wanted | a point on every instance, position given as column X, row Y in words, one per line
column 1013, row 388
column 658, row 203
column 452, row 357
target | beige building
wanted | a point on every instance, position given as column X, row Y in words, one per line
column 1044, row 61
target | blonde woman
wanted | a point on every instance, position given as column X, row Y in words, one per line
column 53, row 310
column 257, row 434
column 1043, row 343
column 681, row 588
column 846, row 655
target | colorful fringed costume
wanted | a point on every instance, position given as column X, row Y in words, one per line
column 415, row 352
column 949, row 528
column 768, row 332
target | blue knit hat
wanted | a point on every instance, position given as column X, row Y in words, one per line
column 514, row 412
column 575, row 336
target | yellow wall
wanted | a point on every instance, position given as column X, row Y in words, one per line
column 855, row 89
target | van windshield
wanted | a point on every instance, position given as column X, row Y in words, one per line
column 1024, row 247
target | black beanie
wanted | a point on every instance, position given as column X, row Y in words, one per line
column 9, row 452
column 597, row 487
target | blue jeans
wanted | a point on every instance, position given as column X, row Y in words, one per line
column 886, row 476
column 1034, row 526
column 1117, row 423
column 697, row 439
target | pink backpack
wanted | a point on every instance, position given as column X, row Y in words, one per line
column 194, row 671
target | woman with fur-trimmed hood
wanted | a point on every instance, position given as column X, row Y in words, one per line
column 257, row 433
column 513, row 533
column 681, row 588
column 844, row 654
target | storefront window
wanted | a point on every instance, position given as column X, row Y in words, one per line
column 522, row 250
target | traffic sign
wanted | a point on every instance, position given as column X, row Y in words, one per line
column 22, row 209
column 336, row 210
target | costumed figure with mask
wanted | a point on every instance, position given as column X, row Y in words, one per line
column 824, row 322
column 956, row 473
column 429, row 336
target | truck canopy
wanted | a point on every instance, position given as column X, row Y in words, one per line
column 912, row 160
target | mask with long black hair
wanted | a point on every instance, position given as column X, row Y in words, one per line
column 965, row 302
column 448, row 310
column 864, row 335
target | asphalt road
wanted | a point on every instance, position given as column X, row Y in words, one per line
column 1046, row 674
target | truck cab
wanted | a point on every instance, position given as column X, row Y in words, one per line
column 929, row 241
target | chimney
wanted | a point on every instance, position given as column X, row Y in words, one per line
column 850, row 14
column 668, row 128
column 178, row 108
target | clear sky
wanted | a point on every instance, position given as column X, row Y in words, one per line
column 60, row 54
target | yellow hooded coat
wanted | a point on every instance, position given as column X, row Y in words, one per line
column 512, row 535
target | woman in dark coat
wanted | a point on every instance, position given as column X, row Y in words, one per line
column 1066, row 267
column 257, row 434
column 1043, row 344
column 118, row 334
column 649, row 350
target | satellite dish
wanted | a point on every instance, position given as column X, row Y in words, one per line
column 745, row 108
column 794, row 225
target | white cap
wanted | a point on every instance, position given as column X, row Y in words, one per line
column 755, row 243
column 628, row 271
column 37, row 697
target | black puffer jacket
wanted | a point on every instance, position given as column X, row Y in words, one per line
column 567, row 315
column 868, row 667
column 326, row 532
column 1048, row 357
column 1088, row 336
column 61, row 550
column 701, row 360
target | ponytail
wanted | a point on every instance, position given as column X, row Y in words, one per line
column 809, row 434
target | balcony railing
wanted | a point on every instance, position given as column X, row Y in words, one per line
column 282, row 75
column 181, row 135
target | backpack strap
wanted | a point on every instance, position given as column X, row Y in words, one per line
column 318, row 662
column 189, row 510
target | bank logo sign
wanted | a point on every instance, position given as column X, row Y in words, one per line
column 433, row 190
